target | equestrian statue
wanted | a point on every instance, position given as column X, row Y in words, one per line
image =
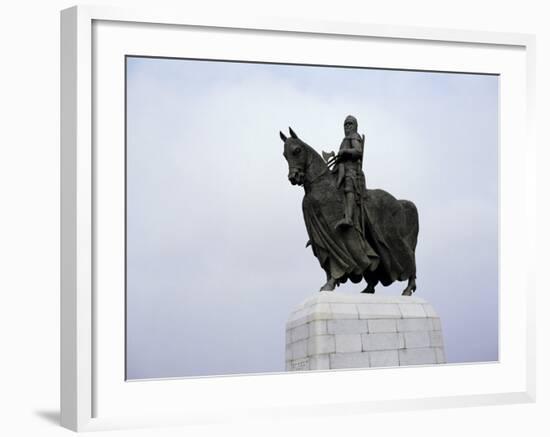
column 356, row 233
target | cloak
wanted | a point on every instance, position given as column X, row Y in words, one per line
column 379, row 246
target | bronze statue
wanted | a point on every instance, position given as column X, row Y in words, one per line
column 355, row 233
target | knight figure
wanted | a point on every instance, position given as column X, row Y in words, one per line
column 350, row 172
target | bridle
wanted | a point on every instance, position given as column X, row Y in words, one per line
column 307, row 165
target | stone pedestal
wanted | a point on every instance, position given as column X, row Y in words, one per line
column 334, row 330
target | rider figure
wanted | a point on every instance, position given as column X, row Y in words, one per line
column 350, row 172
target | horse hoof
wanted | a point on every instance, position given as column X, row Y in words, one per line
column 406, row 293
column 329, row 286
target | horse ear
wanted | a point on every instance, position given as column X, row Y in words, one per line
column 282, row 135
column 292, row 133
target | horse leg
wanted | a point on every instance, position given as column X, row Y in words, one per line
column 411, row 286
column 370, row 286
column 331, row 283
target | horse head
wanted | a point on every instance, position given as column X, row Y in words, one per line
column 296, row 154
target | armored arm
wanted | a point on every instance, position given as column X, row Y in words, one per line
column 354, row 152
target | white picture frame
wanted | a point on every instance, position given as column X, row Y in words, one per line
column 93, row 394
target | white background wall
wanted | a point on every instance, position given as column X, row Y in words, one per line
column 29, row 222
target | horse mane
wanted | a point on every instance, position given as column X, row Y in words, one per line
column 316, row 165
column 315, row 155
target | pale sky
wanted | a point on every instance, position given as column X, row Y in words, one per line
column 215, row 233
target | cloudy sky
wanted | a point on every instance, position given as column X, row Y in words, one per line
column 215, row 234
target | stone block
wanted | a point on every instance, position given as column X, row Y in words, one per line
column 300, row 364
column 349, row 360
column 415, row 324
column 384, row 358
column 288, row 336
column 382, row 341
column 414, row 339
column 317, row 327
column 348, row 343
column 412, row 310
column 299, row 333
column 436, row 338
column 319, row 311
column 319, row 362
column 440, row 355
column 297, row 314
column 436, row 324
column 296, row 322
column 344, row 311
column 429, row 310
column 321, row 344
column 382, row 325
column 347, row 326
column 378, row 311
column 299, row 349
column 410, row 357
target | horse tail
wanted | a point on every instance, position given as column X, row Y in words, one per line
column 411, row 226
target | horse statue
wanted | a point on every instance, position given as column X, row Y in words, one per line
column 378, row 247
